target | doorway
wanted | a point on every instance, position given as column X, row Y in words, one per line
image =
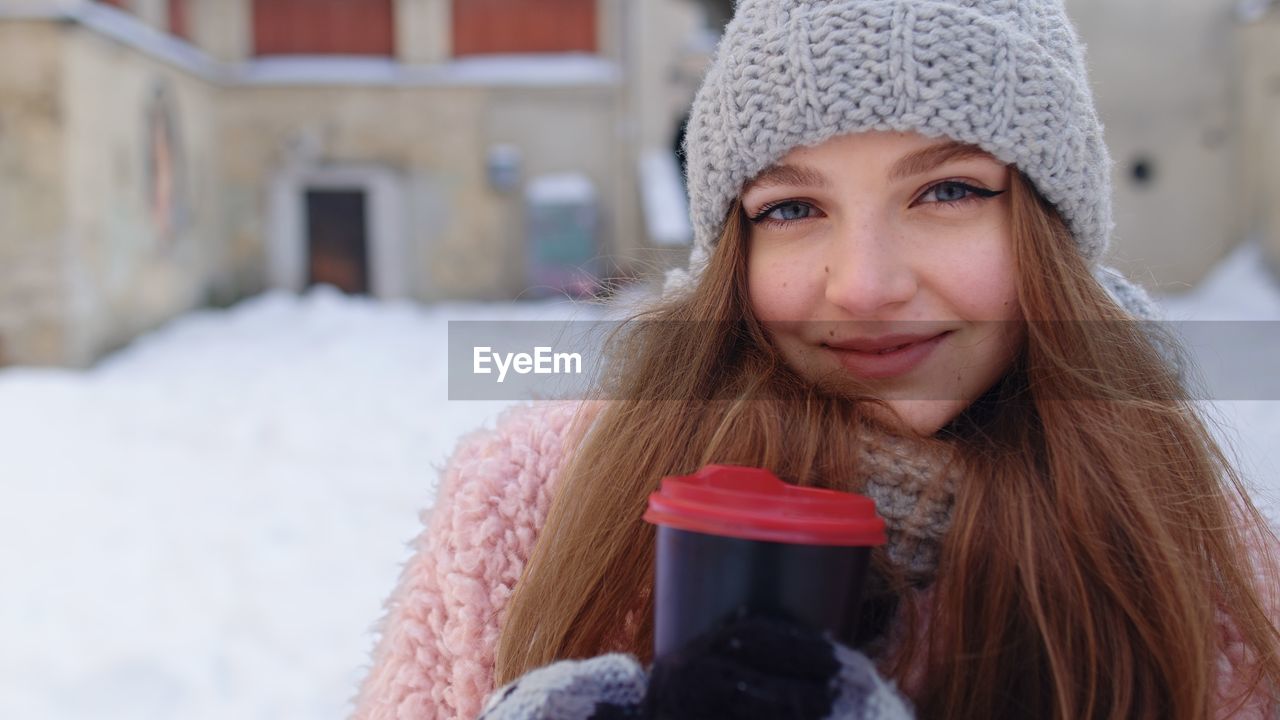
column 344, row 225
column 337, row 239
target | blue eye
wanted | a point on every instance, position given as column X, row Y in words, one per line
column 784, row 212
column 951, row 192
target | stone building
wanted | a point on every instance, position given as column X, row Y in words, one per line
column 158, row 155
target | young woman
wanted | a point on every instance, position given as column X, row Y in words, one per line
column 899, row 211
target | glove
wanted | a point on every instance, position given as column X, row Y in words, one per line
column 762, row 667
column 751, row 667
column 608, row 687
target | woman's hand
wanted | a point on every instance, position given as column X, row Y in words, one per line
column 752, row 667
column 607, row 687
column 760, row 667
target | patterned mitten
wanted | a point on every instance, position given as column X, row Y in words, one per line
column 608, row 687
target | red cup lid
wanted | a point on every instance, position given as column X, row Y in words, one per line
column 753, row 504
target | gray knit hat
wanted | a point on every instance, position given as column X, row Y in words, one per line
column 1006, row 75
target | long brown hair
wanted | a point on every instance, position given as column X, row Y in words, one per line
column 1098, row 528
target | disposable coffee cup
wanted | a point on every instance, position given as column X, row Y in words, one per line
column 736, row 541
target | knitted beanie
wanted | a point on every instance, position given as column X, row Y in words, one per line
column 1005, row 75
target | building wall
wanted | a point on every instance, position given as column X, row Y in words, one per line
column 222, row 28
column 33, row 196
column 464, row 238
column 571, row 131
column 1259, row 129
column 1162, row 81
column 670, row 57
column 134, row 259
column 669, row 51
column 80, row 173
column 423, row 31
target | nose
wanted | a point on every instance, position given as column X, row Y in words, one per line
column 869, row 270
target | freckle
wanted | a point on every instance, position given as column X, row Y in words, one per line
column 784, row 284
column 826, row 268
column 832, row 333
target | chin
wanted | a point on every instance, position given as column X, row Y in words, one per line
column 924, row 417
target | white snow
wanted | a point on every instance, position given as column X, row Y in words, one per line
column 529, row 69
column 1240, row 288
column 525, row 70
column 1234, row 290
column 206, row 524
column 319, row 70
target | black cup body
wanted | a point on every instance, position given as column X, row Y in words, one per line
column 702, row 580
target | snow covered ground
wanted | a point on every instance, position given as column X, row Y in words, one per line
column 1241, row 288
column 205, row 525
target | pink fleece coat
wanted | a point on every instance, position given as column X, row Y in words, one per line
column 435, row 656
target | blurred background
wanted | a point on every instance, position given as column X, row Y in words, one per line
column 232, row 233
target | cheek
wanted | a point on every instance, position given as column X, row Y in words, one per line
column 983, row 280
column 994, row 296
column 773, row 287
column 1002, row 295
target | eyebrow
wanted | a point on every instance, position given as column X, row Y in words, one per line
column 915, row 163
column 925, row 159
column 787, row 175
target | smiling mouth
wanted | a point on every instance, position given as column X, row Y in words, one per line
column 884, row 351
column 886, row 344
column 886, row 362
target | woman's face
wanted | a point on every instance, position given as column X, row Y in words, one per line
column 877, row 239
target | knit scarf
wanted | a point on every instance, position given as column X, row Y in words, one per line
column 913, row 484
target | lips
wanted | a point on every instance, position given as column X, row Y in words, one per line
column 885, row 357
column 880, row 344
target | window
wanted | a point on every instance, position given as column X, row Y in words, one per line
column 523, row 26
column 323, row 27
